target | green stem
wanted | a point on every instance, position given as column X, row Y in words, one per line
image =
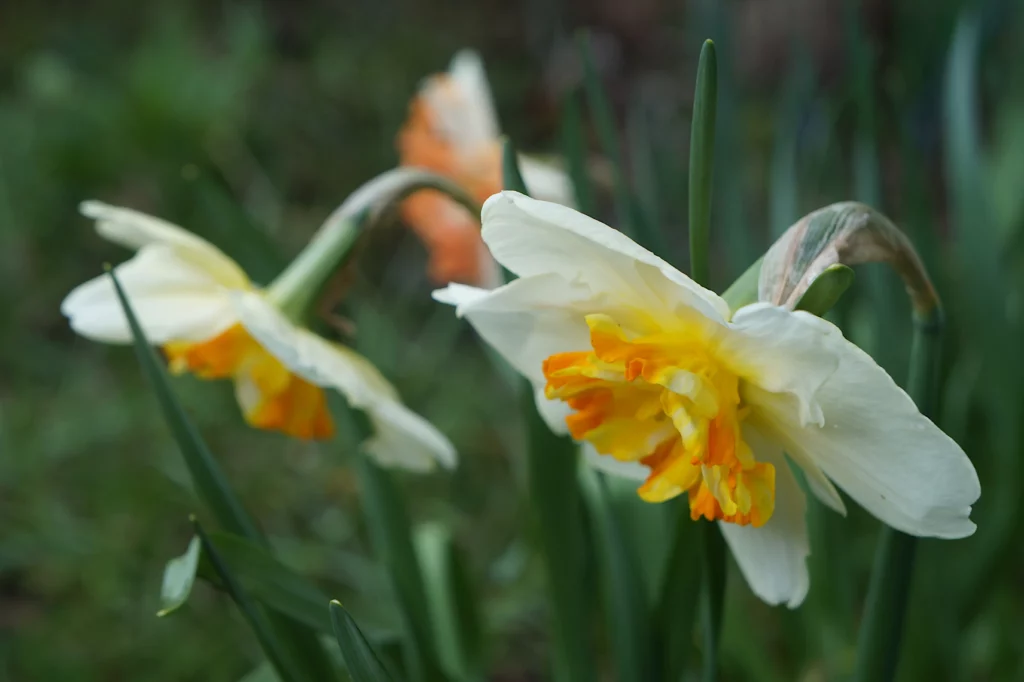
column 712, row 598
column 878, row 647
column 702, row 154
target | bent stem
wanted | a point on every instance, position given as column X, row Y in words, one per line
column 878, row 648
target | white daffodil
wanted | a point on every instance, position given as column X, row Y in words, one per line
column 656, row 375
column 452, row 129
column 211, row 320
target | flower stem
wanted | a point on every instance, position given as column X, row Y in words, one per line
column 712, row 598
column 878, row 648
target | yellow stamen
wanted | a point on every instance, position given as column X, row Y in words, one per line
column 272, row 397
column 664, row 400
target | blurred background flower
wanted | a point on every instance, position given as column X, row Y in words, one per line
column 249, row 122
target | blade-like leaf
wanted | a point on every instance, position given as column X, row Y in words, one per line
column 632, row 220
column 558, row 524
column 210, row 481
column 179, row 576
column 676, row 607
column 361, row 660
column 388, row 522
column 453, row 605
column 558, row 527
column 269, row 581
column 702, row 157
column 575, row 149
column 214, row 489
column 625, row 600
column 278, row 655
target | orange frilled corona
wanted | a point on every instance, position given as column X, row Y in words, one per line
column 271, row 396
column 663, row 401
column 452, row 131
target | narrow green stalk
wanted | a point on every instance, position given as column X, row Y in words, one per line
column 296, row 287
column 702, row 157
column 278, row 655
column 557, row 521
column 575, row 150
column 878, row 648
column 632, row 220
column 712, row 598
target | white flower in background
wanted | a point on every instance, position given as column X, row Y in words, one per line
column 658, row 379
column 211, row 320
column 452, row 130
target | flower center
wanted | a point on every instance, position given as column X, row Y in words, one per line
column 270, row 395
column 664, row 400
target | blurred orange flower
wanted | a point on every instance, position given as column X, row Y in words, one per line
column 452, row 129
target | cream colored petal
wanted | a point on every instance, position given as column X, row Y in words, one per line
column 478, row 122
column 782, row 351
column 526, row 320
column 773, row 558
column 553, row 412
column 404, row 439
column 634, row 471
column 135, row 230
column 546, row 181
column 401, row 437
column 531, row 237
column 880, row 449
column 173, row 299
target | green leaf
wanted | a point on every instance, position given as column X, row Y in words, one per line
column 511, row 176
column 632, row 220
column 213, row 487
column 676, row 606
column 210, row 481
column 712, row 600
column 179, row 576
column 278, row 655
column 264, row 672
column 452, row 603
column 557, row 523
column 575, row 150
column 361, row 660
column 270, row 582
column 702, row 157
column 744, row 290
column 388, row 522
column 625, row 600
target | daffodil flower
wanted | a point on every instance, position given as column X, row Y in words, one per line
column 210, row 319
column 452, row 129
column 659, row 379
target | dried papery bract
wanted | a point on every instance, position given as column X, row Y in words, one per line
column 847, row 233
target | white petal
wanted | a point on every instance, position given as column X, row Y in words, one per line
column 401, row 437
column 135, row 230
column 634, row 471
column 531, row 237
column 461, row 105
column 528, row 319
column 773, row 558
column 173, row 299
column 404, row 439
column 546, row 181
column 880, row 449
column 782, row 351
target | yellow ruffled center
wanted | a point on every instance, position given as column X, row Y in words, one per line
column 271, row 396
column 664, row 400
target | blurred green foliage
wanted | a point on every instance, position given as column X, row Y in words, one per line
column 248, row 123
